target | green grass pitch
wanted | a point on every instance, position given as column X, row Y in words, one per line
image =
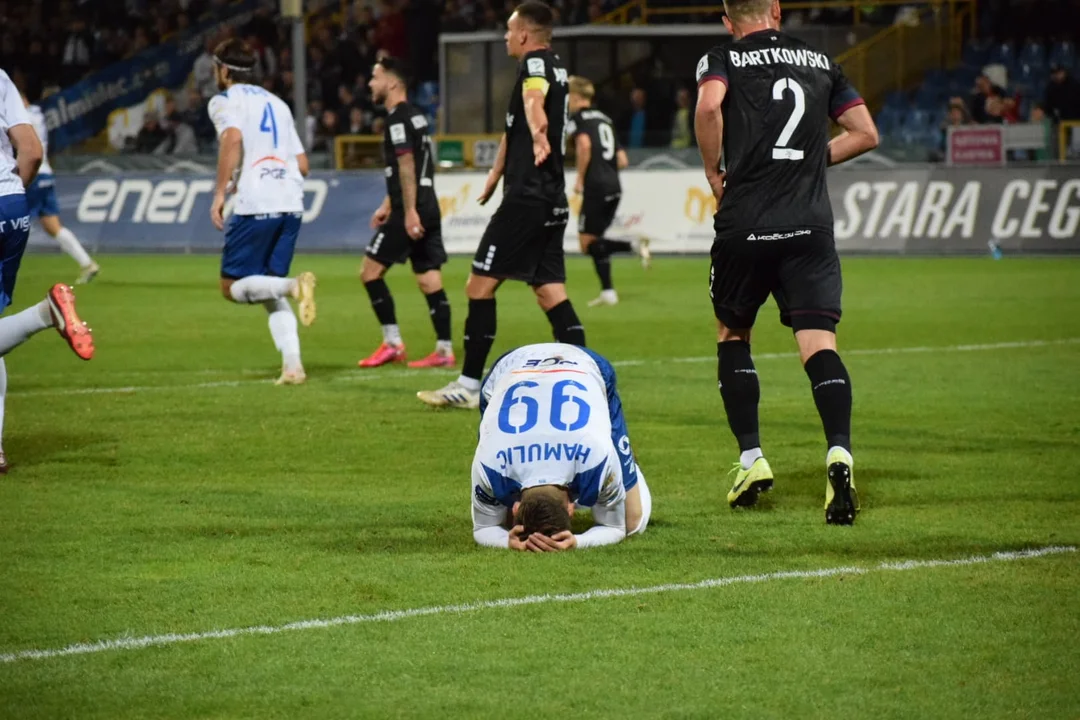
column 202, row 497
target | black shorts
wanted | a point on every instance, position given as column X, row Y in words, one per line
column 800, row 268
column 392, row 246
column 524, row 242
column 597, row 212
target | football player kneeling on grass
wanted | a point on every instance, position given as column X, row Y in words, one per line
column 552, row 437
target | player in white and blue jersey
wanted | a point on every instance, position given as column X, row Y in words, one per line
column 552, row 437
column 262, row 160
column 57, row 310
column 41, row 199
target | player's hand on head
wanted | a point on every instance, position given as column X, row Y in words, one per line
column 516, row 541
column 538, row 542
column 413, row 226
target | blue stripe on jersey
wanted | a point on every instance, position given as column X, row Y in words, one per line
column 585, row 487
column 505, row 490
column 620, row 435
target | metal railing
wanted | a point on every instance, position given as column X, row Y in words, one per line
column 639, row 11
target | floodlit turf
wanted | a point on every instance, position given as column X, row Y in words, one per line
column 205, row 498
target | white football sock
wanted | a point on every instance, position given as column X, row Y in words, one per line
column 283, row 331
column 748, row 457
column 444, row 347
column 471, row 384
column 260, row 288
column 71, row 245
column 3, row 399
column 391, row 335
column 18, row 328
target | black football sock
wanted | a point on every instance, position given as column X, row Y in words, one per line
column 382, row 302
column 479, row 337
column 565, row 324
column 618, row 246
column 602, row 260
column 439, row 305
column 741, row 391
column 831, row 384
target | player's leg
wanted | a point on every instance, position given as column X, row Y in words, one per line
column 282, row 319
column 810, row 303
column 739, row 284
column 428, row 256
column 252, row 246
column 549, row 284
column 506, row 251
column 389, row 247
column 4, row 467
column 591, row 227
column 70, row 245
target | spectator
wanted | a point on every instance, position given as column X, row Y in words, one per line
column 682, row 130
column 1062, row 96
column 356, row 126
column 390, row 30
column 984, row 89
column 204, row 70
column 78, row 47
column 152, row 137
column 635, row 126
column 196, row 116
column 328, row 129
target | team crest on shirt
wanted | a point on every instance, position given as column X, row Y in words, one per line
column 702, row 67
column 535, row 66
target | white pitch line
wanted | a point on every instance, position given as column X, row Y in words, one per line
column 368, row 377
column 138, row 643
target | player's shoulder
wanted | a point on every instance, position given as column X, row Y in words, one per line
column 414, row 116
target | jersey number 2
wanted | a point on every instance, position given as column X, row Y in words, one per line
column 782, row 151
column 559, row 399
column 269, row 123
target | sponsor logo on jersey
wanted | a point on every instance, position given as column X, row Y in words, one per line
column 702, row 67
column 483, row 496
column 535, row 66
column 397, row 133
column 775, row 56
column 22, row 223
column 549, row 362
column 776, row 236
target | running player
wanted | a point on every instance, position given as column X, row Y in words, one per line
column 524, row 240
column 408, row 224
column 599, row 160
column 764, row 102
column 41, row 199
column 552, row 435
column 19, row 140
column 260, row 159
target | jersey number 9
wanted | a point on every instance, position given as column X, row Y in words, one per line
column 559, row 400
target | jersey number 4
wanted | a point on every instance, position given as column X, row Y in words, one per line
column 782, row 151
column 559, row 400
column 269, row 123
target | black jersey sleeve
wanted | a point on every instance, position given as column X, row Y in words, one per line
column 712, row 66
column 843, row 96
column 401, row 134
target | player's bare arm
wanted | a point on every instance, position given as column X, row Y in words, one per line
column 533, row 91
column 709, row 129
column 302, row 164
column 622, row 159
column 860, row 135
column 583, row 152
column 496, row 172
column 28, row 151
column 228, row 161
column 407, row 173
column 381, row 214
